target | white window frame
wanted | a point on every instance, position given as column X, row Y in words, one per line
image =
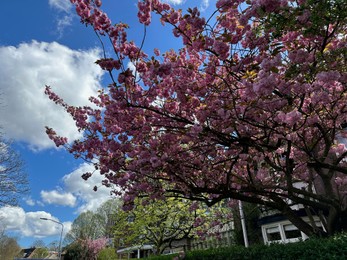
column 280, row 226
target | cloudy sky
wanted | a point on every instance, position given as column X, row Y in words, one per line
column 43, row 43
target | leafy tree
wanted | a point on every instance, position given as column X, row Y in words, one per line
column 252, row 107
column 13, row 179
column 104, row 215
column 92, row 225
column 161, row 223
column 108, row 253
column 75, row 251
column 85, row 249
column 9, row 247
column 94, row 247
column 85, row 226
column 88, row 233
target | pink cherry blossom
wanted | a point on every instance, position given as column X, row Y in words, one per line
column 253, row 102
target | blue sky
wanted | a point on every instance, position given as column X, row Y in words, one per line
column 43, row 43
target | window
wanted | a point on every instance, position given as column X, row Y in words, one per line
column 285, row 231
column 273, row 234
column 291, row 231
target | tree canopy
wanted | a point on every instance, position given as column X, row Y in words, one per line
column 165, row 223
column 91, row 225
column 252, row 107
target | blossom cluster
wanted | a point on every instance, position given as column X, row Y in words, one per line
column 248, row 106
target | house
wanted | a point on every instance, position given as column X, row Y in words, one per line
column 276, row 228
column 137, row 252
column 30, row 253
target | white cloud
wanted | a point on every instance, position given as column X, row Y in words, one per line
column 24, row 72
column 204, row 5
column 30, row 201
column 58, row 198
column 83, row 190
column 65, row 14
column 63, row 22
column 61, row 5
column 175, row 2
column 76, row 192
column 29, row 224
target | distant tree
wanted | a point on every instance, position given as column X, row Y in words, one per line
column 75, row 251
column 92, row 225
column 9, row 247
column 85, row 249
column 13, row 179
column 85, row 226
column 104, row 215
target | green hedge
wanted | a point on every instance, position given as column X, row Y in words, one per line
column 329, row 248
column 163, row 257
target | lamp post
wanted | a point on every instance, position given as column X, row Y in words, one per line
column 243, row 224
column 61, row 234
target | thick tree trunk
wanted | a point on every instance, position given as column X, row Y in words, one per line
column 336, row 221
column 302, row 225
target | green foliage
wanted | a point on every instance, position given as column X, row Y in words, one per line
column 92, row 225
column 107, row 254
column 163, row 257
column 321, row 14
column 86, row 225
column 315, row 249
column 40, row 253
column 75, row 251
column 251, row 213
column 332, row 248
column 159, row 223
column 9, row 247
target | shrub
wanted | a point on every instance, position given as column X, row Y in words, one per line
column 327, row 248
column 330, row 248
column 75, row 251
column 163, row 257
column 107, row 254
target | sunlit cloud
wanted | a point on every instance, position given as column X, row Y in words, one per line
column 65, row 14
column 87, row 198
column 24, row 72
column 29, row 224
column 58, row 198
column 176, row 2
column 61, row 5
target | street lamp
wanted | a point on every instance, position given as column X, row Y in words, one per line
column 61, row 234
